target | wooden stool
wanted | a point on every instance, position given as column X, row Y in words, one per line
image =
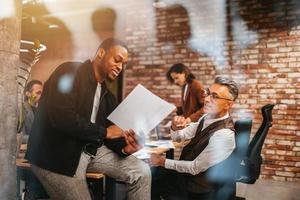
column 94, row 180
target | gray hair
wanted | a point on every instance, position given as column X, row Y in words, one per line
column 230, row 84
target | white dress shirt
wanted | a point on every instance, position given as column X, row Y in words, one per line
column 96, row 103
column 220, row 146
column 185, row 92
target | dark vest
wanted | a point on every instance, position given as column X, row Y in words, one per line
column 200, row 183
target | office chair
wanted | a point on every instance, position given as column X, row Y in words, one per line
column 243, row 165
column 249, row 168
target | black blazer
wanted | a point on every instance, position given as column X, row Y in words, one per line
column 62, row 126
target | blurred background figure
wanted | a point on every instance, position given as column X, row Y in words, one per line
column 32, row 94
column 192, row 95
column 31, row 187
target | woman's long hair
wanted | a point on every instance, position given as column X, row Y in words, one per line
column 180, row 68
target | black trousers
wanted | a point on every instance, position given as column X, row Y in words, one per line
column 171, row 185
column 167, row 184
column 225, row 191
column 34, row 188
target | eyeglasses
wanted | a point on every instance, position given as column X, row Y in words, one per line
column 215, row 95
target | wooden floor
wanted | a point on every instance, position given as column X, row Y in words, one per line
column 269, row 190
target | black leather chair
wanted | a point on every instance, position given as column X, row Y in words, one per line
column 249, row 167
column 250, row 160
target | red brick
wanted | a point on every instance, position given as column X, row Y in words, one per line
column 285, row 173
column 267, row 71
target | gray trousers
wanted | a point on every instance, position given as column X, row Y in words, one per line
column 130, row 170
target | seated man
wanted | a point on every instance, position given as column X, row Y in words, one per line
column 212, row 142
column 32, row 93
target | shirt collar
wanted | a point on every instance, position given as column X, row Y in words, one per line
column 185, row 88
column 208, row 122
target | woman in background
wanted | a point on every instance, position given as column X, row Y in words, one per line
column 192, row 95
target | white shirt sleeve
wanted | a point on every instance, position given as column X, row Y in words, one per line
column 220, row 146
column 184, row 134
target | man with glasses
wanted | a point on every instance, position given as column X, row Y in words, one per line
column 212, row 142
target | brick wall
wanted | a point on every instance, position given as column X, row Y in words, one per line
column 259, row 48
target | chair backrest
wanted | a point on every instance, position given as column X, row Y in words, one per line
column 250, row 165
column 257, row 142
column 243, row 131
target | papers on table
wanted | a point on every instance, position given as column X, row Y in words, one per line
column 142, row 154
column 160, row 143
column 153, row 147
column 140, row 111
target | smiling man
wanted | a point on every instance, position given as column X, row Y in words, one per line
column 212, row 142
column 71, row 133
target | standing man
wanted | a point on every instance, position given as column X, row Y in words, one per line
column 71, row 133
column 212, row 142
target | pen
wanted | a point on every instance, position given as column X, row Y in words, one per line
column 192, row 123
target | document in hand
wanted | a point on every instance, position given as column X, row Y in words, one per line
column 140, row 111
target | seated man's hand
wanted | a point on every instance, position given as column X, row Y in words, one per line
column 157, row 160
column 114, row 132
column 178, row 122
column 132, row 144
column 188, row 120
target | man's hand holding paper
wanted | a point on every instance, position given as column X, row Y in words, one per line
column 132, row 142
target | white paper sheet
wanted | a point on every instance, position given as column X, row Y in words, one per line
column 142, row 154
column 150, row 147
column 140, row 111
column 160, row 143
